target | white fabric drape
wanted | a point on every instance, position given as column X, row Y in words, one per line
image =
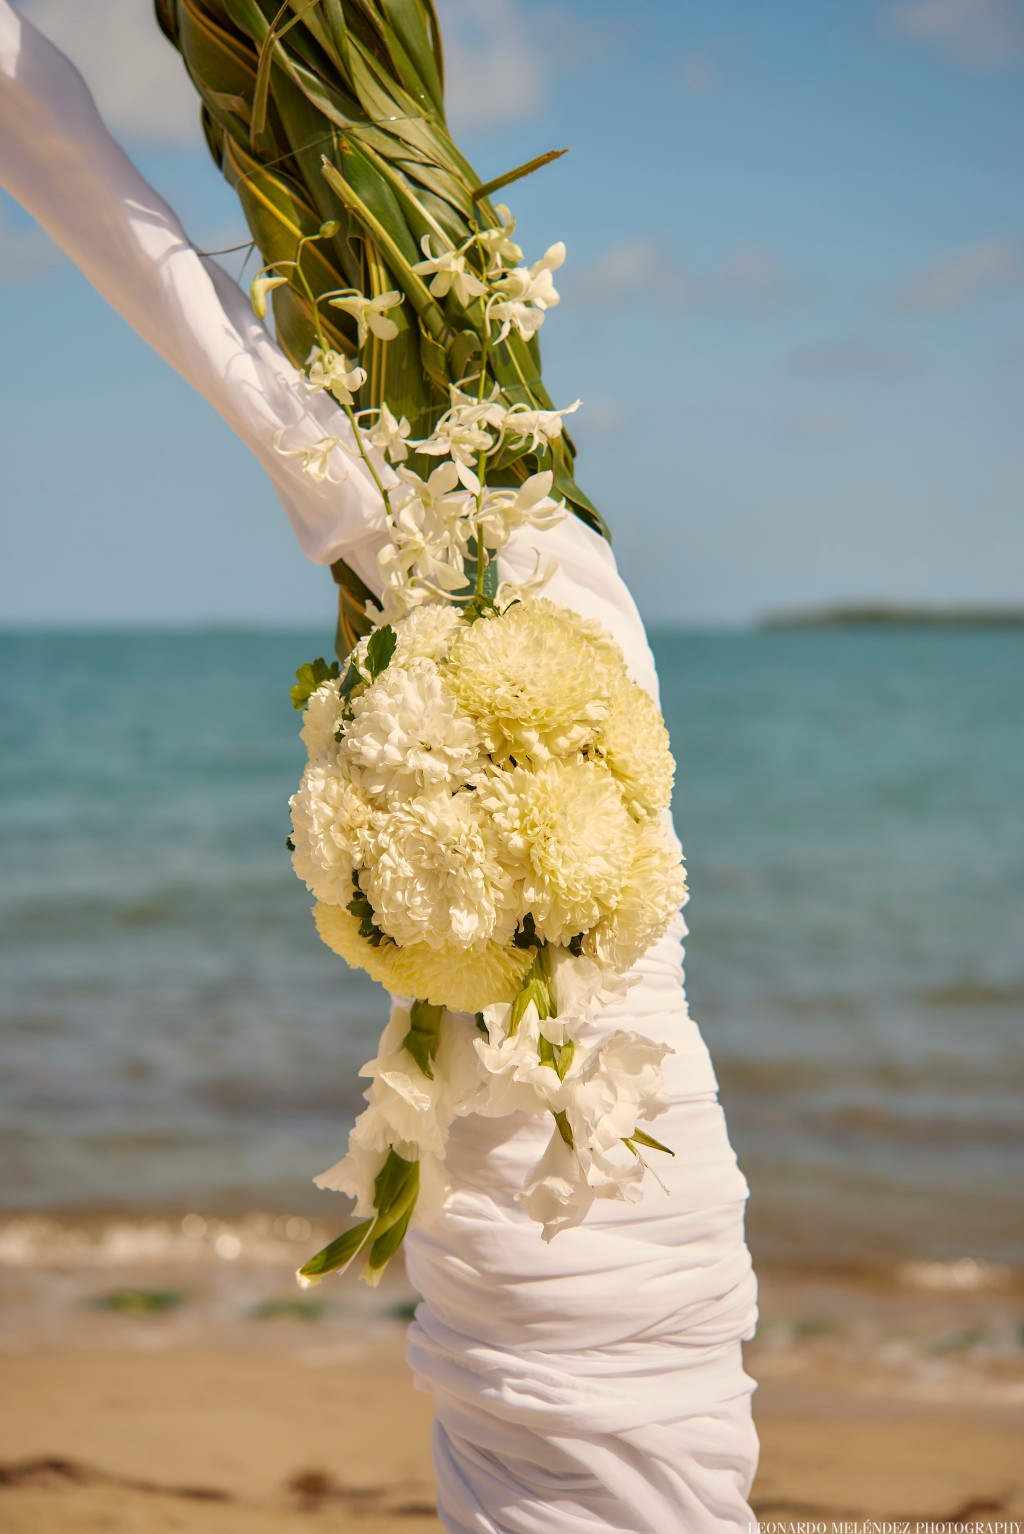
column 595, row 1382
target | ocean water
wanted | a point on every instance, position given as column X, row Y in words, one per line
column 174, row 1037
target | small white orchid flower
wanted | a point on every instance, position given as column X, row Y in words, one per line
column 450, row 274
column 501, row 511
column 388, row 436
column 499, row 248
column 541, row 426
column 488, row 411
column 331, row 371
column 369, row 314
column 459, row 437
column 526, row 293
column 260, row 287
column 533, row 584
column 316, row 456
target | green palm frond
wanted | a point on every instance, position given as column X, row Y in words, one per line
column 320, row 110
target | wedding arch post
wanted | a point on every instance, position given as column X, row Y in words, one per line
column 332, row 111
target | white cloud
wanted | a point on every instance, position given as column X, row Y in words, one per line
column 136, row 76
column 853, row 357
column 826, row 423
column 25, row 251
column 956, row 279
column 503, row 58
column 637, row 271
column 643, row 272
column 983, row 33
column 697, row 73
column 600, row 418
column 495, row 68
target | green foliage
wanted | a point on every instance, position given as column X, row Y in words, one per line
column 338, row 1253
column 309, row 677
column 639, row 1137
column 140, row 1302
column 526, row 934
column 424, row 1035
column 361, row 907
column 380, row 647
column 292, row 1308
column 327, row 116
column 536, row 989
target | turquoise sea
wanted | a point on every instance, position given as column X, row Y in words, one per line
column 852, row 804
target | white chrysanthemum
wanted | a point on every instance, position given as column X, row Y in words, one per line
column 537, row 679
column 330, row 821
column 653, row 891
column 634, row 744
column 434, row 874
column 567, row 823
column 424, row 634
column 320, row 720
column 407, row 734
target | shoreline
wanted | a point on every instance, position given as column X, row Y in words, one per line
column 160, row 1377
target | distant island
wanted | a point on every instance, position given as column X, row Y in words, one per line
column 881, row 615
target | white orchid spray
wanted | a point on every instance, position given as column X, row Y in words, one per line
column 481, row 818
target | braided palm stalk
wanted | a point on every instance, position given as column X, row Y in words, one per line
column 333, row 111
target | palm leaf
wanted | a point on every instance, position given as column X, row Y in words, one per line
column 334, row 109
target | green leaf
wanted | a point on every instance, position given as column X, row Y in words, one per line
column 564, row 1128
column 361, row 907
column 311, row 676
column 395, row 1193
column 564, row 1057
column 535, row 989
column 645, row 1139
column 387, row 1244
column 338, row 1253
column 490, row 582
column 516, row 175
column 392, row 1185
column 379, row 649
column 424, row 1035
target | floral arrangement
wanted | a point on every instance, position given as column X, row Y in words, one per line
column 481, row 816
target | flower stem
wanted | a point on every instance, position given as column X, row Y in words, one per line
column 481, row 461
column 364, row 455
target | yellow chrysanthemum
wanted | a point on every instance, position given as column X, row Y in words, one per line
column 567, row 825
column 634, row 744
column 537, row 680
column 339, row 929
column 461, row 979
column 653, row 891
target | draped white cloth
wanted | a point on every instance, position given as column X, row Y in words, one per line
column 595, row 1382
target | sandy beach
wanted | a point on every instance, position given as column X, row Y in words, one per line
column 157, row 1383
column 112, row 1441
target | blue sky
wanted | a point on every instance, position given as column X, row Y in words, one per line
column 793, row 307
